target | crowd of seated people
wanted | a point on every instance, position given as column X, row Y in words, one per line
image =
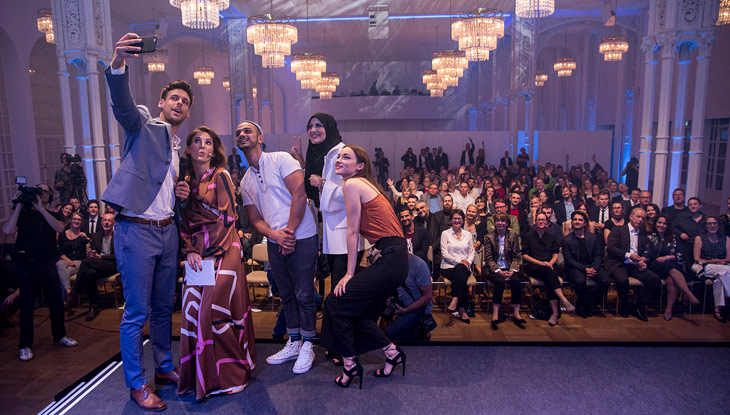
column 573, row 224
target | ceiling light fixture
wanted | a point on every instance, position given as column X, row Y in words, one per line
column 204, row 74
column 613, row 47
column 477, row 32
column 532, row 9
column 45, row 24
column 200, row 14
column 540, row 78
column 723, row 16
column 156, row 60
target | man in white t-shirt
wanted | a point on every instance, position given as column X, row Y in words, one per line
column 272, row 191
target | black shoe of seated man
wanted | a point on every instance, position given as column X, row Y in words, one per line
column 624, row 311
column 638, row 313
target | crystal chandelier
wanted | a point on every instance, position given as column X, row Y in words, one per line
column 200, row 14
column 534, row 8
column 565, row 66
column 156, row 60
column 227, row 84
column 450, row 66
column 540, row 78
column 477, row 32
column 432, row 80
column 254, row 92
column 45, row 24
column 327, row 84
column 272, row 38
column 437, row 93
column 204, row 74
column 613, row 47
column 723, row 17
column 308, row 66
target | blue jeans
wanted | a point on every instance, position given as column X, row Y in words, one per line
column 405, row 326
column 147, row 261
column 294, row 277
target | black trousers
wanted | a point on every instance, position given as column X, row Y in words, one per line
column 459, row 275
column 588, row 297
column 547, row 275
column 92, row 269
column 338, row 267
column 32, row 275
column 515, row 285
column 349, row 325
column 621, row 276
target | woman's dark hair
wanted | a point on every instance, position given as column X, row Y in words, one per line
column 458, row 212
column 361, row 156
column 501, row 216
column 314, row 159
column 720, row 230
column 219, row 150
column 669, row 233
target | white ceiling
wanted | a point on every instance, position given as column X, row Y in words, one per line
column 347, row 41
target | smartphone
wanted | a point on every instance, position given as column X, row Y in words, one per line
column 21, row 180
column 147, row 43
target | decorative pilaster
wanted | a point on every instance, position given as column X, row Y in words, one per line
column 667, row 42
column 66, row 112
column 97, row 131
column 115, row 156
column 706, row 38
column 677, row 145
column 647, row 46
column 86, row 155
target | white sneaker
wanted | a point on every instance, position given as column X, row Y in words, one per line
column 26, row 354
column 305, row 360
column 68, row 342
column 289, row 352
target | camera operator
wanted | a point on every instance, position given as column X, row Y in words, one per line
column 34, row 257
column 63, row 179
column 413, row 306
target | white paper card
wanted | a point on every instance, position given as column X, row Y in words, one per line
column 203, row 277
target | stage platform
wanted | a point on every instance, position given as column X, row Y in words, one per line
column 472, row 379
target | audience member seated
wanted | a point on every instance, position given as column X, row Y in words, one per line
column 552, row 227
column 517, row 210
column 457, row 256
column 624, row 258
column 567, row 226
column 470, row 224
column 632, row 202
column 416, row 300
column 502, row 261
column 432, row 198
column 617, row 219
column 72, row 249
column 66, row 210
column 600, row 213
column 540, row 253
column 725, row 220
column 667, row 261
column 462, row 198
column 92, row 221
column 711, row 260
column 690, row 224
column 565, row 206
column 652, row 213
column 678, row 207
column 501, row 206
column 583, row 254
column 100, row 263
column 416, row 237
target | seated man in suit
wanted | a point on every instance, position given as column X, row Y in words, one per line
column 564, row 207
column 625, row 246
column 100, row 263
column 583, row 254
column 600, row 213
column 92, row 220
column 416, row 236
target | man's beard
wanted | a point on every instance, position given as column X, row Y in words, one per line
column 448, row 211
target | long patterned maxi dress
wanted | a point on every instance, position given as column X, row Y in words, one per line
column 217, row 352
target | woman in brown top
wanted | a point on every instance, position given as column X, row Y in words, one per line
column 349, row 325
column 217, row 351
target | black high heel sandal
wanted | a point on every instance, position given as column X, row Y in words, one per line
column 399, row 358
column 351, row 374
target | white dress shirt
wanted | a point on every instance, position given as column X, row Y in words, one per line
column 455, row 250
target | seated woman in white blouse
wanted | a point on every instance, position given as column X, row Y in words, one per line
column 457, row 256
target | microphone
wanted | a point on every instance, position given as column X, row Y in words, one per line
column 184, row 167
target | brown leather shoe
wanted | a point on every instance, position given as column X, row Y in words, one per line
column 147, row 399
column 171, row 378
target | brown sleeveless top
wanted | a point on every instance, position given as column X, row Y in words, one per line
column 378, row 220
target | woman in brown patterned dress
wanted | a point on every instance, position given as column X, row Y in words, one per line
column 217, row 351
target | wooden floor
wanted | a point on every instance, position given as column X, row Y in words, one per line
column 27, row 387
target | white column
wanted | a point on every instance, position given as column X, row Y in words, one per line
column 86, row 136
column 69, row 145
column 115, row 156
column 698, row 112
column 97, row 129
column 667, row 41
column 620, row 122
column 647, row 112
column 677, row 148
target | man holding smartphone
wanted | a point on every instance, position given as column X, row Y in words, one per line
column 143, row 192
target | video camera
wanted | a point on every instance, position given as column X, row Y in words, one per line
column 74, row 159
column 27, row 194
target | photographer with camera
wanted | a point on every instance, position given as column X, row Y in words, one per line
column 34, row 257
column 63, row 179
column 412, row 306
column 70, row 180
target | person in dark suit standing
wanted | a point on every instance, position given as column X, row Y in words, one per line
column 583, row 254
column 624, row 258
column 143, row 192
column 506, row 161
column 99, row 263
column 92, row 220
